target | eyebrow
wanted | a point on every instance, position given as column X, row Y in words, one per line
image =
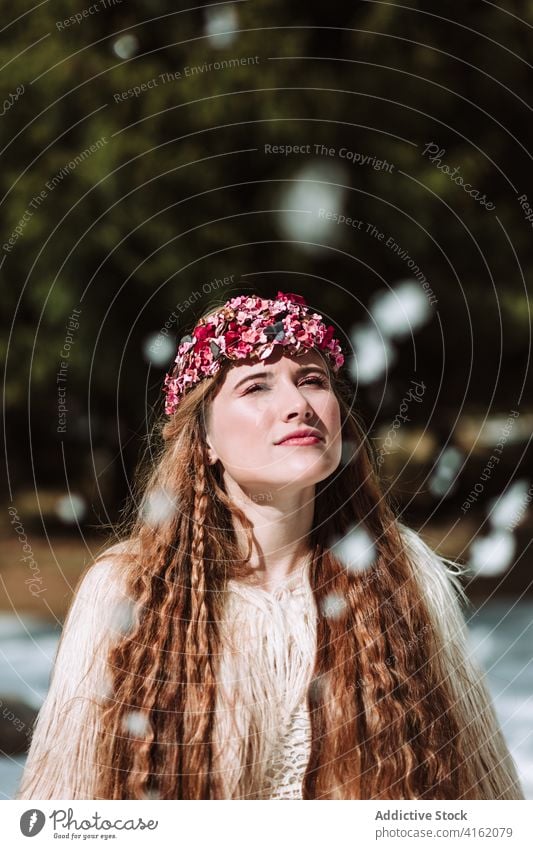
column 268, row 374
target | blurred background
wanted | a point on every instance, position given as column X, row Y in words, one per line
column 374, row 157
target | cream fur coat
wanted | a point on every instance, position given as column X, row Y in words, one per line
column 266, row 664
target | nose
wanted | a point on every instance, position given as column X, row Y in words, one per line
column 293, row 402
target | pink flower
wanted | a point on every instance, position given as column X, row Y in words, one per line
column 252, row 335
column 238, row 330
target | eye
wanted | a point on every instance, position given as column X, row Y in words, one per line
column 318, row 381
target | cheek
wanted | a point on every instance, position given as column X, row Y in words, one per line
column 237, row 427
column 331, row 415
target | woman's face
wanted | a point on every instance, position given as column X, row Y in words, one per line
column 259, row 404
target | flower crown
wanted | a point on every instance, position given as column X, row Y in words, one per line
column 247, row 327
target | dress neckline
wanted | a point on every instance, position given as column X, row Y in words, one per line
column 297, row 583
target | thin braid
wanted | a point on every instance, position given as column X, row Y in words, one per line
column 200, row 677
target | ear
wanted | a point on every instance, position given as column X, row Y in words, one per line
column 211, row 454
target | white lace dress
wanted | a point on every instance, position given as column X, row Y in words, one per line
column 269, row 644
column 284, row 776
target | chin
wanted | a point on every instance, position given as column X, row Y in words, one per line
column 307, row 474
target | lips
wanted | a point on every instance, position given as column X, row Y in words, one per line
column 305, row 436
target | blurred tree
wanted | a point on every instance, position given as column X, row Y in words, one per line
column 145, row 128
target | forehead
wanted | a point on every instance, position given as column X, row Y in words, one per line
column 279, row 360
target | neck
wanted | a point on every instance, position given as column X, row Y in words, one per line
column 281, row 527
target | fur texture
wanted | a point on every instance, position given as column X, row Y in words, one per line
column 269, row 645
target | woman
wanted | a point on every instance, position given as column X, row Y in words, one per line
column 267, row 628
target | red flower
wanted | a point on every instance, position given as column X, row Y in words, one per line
column 202, row 333
column 328, row 335
column 289, row 296
column 231, row 337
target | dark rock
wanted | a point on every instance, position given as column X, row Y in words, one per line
column 16, row 723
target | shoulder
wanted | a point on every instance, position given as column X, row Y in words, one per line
column 111, row 565
column 439, row 582
column 124, row 549
column 437, row 574
column 101, row 595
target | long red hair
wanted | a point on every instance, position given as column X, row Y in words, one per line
column 385, row 717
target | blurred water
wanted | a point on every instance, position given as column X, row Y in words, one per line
column 509, row 670
column 27, row 651
column 501, row 639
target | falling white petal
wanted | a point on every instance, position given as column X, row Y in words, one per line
column 507, row 509
column 372, row 354
column 318, row 186
column 481, row 644
column 221, row 23
column 333, row 606
column 158, row 507
column 400, row 311
column 443, row 480
column 158, row 349
column 124, row 617
column 136, row 723
column 104, row 686
column 356, row 550
column 493, row 554
column 125, row 46
column 71, row 508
